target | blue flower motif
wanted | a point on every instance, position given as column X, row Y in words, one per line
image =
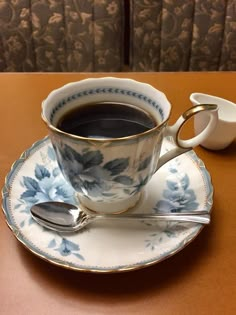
column 47, row 186
column 178, row 196
column 139, row 186
column 95, row 180
column 169, row 230
column 87, row 173
column 44, row 186
column 66, row 248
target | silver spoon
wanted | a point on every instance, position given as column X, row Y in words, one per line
column 64, row 217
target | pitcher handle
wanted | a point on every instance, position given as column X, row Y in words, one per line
column 183, row 146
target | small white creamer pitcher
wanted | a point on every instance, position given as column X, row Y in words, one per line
column 225, row 131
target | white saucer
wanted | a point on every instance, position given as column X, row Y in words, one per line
column 182, row 184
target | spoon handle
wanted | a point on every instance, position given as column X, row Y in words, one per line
column 203, row 219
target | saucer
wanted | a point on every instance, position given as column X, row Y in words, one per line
column 105, row 246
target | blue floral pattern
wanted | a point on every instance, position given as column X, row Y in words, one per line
column 89, row 175
column 45, row 185
column 178, row 195
column 169, row 230
column 65, row 247
column 36, row 176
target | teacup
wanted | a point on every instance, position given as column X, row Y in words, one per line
column 225, row 132
column 109, row 173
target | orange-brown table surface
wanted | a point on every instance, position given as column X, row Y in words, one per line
column 200, row 279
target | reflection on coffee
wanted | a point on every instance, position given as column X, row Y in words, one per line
column 106, row 120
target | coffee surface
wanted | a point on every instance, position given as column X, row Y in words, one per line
column 106, row 120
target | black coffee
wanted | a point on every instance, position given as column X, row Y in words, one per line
column 106, row 120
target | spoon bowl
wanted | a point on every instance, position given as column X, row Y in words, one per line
column 65, row 217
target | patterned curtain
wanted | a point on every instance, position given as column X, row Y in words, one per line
column 56, row 35
column 182, row 35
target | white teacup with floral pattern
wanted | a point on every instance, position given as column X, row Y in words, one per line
column 109, row 174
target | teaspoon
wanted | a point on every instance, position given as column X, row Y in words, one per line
column 64, row 217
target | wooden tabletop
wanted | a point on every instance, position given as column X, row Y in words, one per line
column 200, row 279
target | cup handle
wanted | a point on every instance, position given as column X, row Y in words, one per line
column 183, row 146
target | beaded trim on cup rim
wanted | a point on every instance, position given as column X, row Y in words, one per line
column 105, row 90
